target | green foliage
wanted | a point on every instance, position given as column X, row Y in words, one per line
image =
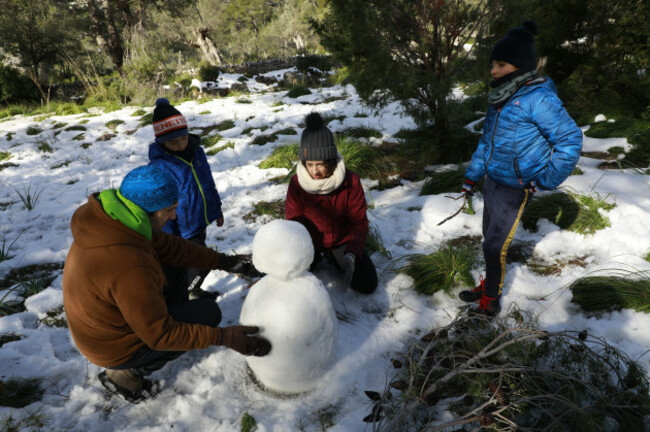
column 322, row 63
column 282, row 157
column 286, row 131
column 573, row 212
column 375, row 243
column 444, row 269
column 139, row 112
column 225, row 125
column 298, row 91
column 55, row 318
column 33, row 130
column 209, row 141
column 5, row 249
column 243, row 101
column 44, row 146
column 32, row 420
column 263, row 139
column 361, row 132
column 637, row 133
column 214, row 151
column 448, row 181
column 20, row 276
column 19, row 392
column 248, row 423
column 146, row 119
column 505, row 374
column 208, row 72
column 113, row 124
column 29, row 196
column 16, row 87
column 75, row 128
column 269, row 210
column 5, row 155
column 607, row 293
column 359, row 157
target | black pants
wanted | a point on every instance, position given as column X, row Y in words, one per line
column 184, row 279
column 503, row 208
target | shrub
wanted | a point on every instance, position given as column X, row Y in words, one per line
column 208, row 72
column 506, row 375
column 361, row 132
column 15, row 86
column 606, row 293
column 322, row 63
column 282, row 157
column 298, row 91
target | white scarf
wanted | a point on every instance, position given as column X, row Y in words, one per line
column 321, row 186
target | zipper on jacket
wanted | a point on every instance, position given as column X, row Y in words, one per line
column 494, row 130
column 198, row 183
column 517, row 171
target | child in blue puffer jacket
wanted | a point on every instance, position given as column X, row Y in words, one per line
column 179, row 153
column 529, row 142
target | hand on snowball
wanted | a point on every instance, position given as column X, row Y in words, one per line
column 241, row 264
column 349, row 262
column 240, row 339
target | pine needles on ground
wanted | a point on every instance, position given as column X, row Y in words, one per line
column 506, row 375
column 19, row 392
column 606, row 293
column 444, row 269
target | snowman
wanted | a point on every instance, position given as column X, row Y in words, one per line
column 293, row 310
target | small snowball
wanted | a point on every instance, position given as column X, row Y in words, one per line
column 282, row 249
column 600, row 118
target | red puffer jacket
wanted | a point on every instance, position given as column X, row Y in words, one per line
column 333, row 219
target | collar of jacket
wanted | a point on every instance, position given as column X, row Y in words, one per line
column 128, row 213
column 503, row 91
column 322, row 186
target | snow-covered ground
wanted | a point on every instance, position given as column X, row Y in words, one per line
column 210, row 390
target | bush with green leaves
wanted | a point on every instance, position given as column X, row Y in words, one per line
column 442, row 270
column 15, row 86
column 625, row 290
column 570, row 211
column 208, row 72
column 506, row 375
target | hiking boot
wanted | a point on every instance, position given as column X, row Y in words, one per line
column 475, row 294
column 133, row 387
column 488, row 306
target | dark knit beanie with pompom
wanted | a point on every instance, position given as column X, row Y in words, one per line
column 518, row 47
column 317, row 140
column 168, row 122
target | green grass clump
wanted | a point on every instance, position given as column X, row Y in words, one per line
column 209, row 141
column 263, row 139
column 139, row 113
column 570, row 211
column 359, row 157
column 4, row 155
column 298, row 91
column 33, row 130
column 637, row 133
column 58, row 125
column 113, row 124
column 225, row 125
column 19, row 392
column 10, row 136
column 146, row 119
column 214, row 151
column 248, row 423
column 282, row 157
column 55, row 318
column 44, row 146
column 577, row 171
column 375, row 243
column 11, row 111
column 244, row 101
column 206, row 112
column 78, row 127
column 361, row 132
column 442, row 270
column 286, row 131
column 449, row 181
column 607, row 293
column 270, row 209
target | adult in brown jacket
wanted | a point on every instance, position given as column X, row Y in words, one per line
column 114, row 287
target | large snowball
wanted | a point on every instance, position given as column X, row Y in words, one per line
column 282, row 249
column 297, row 317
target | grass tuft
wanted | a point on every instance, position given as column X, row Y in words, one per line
column 5, row 155
column 269, row 210
column 263, row 139
column 19, row 392
column 448, row 181
column 607, row 293
column 77, row 127
column 361, row 132
column 29, row 197
column 33, row 130
column 284, row 156
column 113, row 124
column 297, row 91
column 216, row 150
column 442, row 270
column 9, row 337
column 248, row 423
column 359, row 157
column 375, row 243
column 209, row 141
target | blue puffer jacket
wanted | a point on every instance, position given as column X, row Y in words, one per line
column 199, row 203
column 529, row 139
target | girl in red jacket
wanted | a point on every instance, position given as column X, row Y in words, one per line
column 329, row 201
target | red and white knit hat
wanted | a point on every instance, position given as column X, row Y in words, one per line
column 168, row 122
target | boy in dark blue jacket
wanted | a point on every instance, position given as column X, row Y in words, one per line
column 180, row 154
column 529, row 142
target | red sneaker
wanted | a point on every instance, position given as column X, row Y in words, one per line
column 475, row 294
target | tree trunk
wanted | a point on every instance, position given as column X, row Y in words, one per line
column 115, row 43
column 208, row 48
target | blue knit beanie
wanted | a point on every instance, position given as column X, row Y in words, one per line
column 150, row 188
